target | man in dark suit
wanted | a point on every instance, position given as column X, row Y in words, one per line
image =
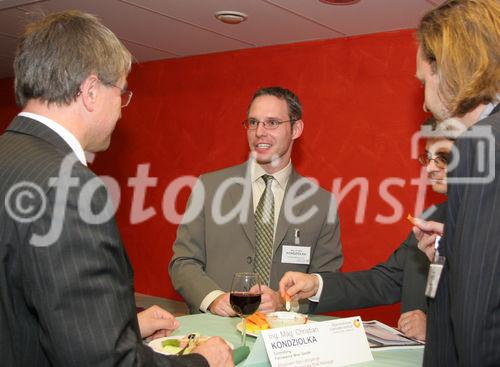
column 401, row 278
column 225, row 236
column 457, row 61
column 66, row 285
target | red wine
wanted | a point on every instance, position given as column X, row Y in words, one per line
column 244, row 303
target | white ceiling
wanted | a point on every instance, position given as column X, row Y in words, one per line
column 161, row 29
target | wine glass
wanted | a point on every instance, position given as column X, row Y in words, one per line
column 245, row 297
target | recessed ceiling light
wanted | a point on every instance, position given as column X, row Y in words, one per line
column 230, row 17
column 340, row 2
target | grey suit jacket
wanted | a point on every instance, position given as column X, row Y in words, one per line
column 464, row 318
column 70, row 303
column 401, row 278
column 207, row 253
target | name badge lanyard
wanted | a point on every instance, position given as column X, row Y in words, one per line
column 435, row 271
column 296, row 237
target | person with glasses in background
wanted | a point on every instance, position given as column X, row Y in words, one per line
column 66, row 284
column 402, row 278
column 260, row 198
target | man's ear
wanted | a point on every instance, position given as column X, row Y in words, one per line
column 297, row 128
column 89, row 90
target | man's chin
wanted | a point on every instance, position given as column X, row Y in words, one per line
column 268, row 161
column 440, row 188
column 261, row 160
column 101, row 147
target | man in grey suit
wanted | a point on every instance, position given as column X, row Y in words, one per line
column 458, row 62
column 229, row 232
column 66, row 284
column 402, row 278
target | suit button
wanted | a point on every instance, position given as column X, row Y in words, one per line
column 249, row 260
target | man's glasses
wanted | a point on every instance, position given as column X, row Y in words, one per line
column 269, row 124
column 125, row 94
column 441, row 160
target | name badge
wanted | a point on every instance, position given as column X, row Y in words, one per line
column 435, row 270
column 296, row 255
column 328, row 343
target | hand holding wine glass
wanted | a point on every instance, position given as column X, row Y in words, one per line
column 245, row 297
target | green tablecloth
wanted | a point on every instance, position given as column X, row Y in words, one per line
column 225, row 327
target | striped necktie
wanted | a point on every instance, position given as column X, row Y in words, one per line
column 264, row 232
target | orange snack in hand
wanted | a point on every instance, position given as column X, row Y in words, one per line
column 411, row 219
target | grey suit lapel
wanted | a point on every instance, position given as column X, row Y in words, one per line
column 236, row 192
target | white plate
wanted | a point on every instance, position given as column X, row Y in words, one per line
column 156, row 343
column 256, row 333
column 239, row 327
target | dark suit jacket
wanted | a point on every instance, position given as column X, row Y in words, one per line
column 207, row 254
column 70, row 303
column 464, row 318
column 401, row 278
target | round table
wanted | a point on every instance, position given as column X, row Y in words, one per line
column 225, row 327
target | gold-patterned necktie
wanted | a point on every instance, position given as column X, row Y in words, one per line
column 264, row 232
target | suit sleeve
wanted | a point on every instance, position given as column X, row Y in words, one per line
column 80, row 287
column 327, row 256
column 378, row 286
column 187, row 266
column 401, row 277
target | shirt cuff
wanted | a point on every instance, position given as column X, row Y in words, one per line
column 209, row 298
column 317, row 296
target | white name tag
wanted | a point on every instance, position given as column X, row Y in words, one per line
column 328, row 343
column 435, row 270
column 296, row 255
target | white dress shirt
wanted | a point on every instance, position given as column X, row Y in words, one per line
column 60, row 130
column 278, row 186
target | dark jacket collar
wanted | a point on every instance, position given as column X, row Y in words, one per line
column 28, row 126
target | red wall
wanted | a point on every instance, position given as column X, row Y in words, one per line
column 361, row 106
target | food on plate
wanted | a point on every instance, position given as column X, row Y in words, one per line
column 257, row 322
column 175, row 345
column 283, row 318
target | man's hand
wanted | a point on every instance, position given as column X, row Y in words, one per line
column 426, row 232
column 270, row 301
column 155, row 322
column 426, row 245
column 413, row 324
column 298, row 285
column 216, row 352
column 221, row 306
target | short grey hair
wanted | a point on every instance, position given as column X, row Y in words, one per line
column 57, row 53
